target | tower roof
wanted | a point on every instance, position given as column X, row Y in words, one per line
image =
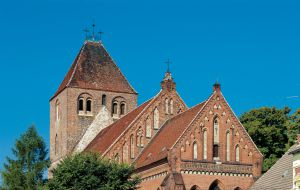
column 94, row 69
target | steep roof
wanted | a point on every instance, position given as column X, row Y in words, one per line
column 94, row 69
column 280, row 175
column 109, row 134
column 158, row 147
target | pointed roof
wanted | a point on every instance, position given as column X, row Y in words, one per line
column 94, row 69
column 158, row 148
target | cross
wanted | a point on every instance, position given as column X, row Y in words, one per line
column 93, row 25
column 100, row 35
column 86, row 33
column 168, row 62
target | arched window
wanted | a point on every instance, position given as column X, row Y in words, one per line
column 195, row 187
column 237, row 153
column 171, row 106
column 204, row 144
column 104, row 100
column 80, row 104
column 125, row 153
column 216, row 139
column 122, row 108
column 117, row 158
column 228, row 146
column 156, row 118
column 167, row 105
column 131, row 147
column 88, row 105
column 139, row 137
column 195, row 151
column 148, row 128
column 57, row 111
column 115, row 108
column 56, row 145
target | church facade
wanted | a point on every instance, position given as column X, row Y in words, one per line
column 172, row 147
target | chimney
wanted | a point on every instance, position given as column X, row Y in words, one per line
column 217, row 86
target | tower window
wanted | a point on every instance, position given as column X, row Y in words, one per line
column 205, row 144
column 104, row 100
column 216, row 151
column 237, row 153
column 115, row 108
column 122, row 108
column 89, row 105
column 195, row 151
column 80, row 104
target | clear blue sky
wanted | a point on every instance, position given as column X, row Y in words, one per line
column 252, row 47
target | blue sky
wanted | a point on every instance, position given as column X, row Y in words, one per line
column 251, row 47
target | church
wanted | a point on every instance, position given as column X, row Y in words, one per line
column 172, row 146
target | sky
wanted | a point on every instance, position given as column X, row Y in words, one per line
column 251, row 47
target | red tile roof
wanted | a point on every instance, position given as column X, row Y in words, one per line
column 158, row 148
column 94, row 69
column 108, row 135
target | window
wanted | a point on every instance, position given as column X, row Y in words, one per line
column 56, row 145
column 237, row 153
column 117, row 158
column 216, row 131
column 57, row 111
column 156, row 118
column 80, row 104
column 216, row 151
column 205, row 144
column 125, row 153
column 139, row 137
column 131, row 147
column 228, row 146
column 148, row 128
column 89, row 105
column 104, row 100
column 171, row 106
column 115, row 108
column 122, row 108
column 167, row 106
column 195, row 151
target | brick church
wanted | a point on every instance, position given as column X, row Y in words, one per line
column 172, row 146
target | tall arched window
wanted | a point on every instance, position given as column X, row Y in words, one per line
column 80, row 104
column 115, row 108
column 125, row 153
column 122, row 108
column 104, row 100
column 131, row 147
column 57, row 111
column 156, row 118
column 228, row 146
column 117, row 158
column 88, row 105
column 56, row 145
column 195, row 151
column 216, row 139
column 148, row 128
column 139, row 137
column 204, row 144
column 237, row 153
column 167, row 105
column 171, row 106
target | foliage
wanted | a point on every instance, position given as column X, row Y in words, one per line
column 25, row 172
column 268, row 127
column 87, row 171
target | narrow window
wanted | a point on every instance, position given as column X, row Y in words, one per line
column 117, row 158
column 216, row 151
column 89, row 105
column 57, row 111
column 80, row 104
column 237, row 153
column 216, row 139
column 125, row 153
column 156, row 118
column 115, row 108
column 228, row 146
column 122, row 108
column 131, row 147
column 104, row 100
column 56, row 145
column 205, row 144
column 171, row 106
column 195, row 151
column 139, row 135
column 148, row 128
column 167, row 106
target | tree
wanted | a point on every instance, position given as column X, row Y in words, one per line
column 26, row 170
column 293, row 128
column 88, row 171
column 268, row 129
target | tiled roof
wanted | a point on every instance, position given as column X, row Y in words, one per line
column 279, row 176
column 109, row 134
column 158, row 148
column 94, row 69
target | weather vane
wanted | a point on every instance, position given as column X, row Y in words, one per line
column 93, row 36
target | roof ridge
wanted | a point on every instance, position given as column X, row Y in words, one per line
column 129, row 126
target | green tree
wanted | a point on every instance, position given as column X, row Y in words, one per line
column 25, row 171
column 293, row 128
column 268, row 129
column 88, row 171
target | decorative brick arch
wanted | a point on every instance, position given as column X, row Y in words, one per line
column 195, row 187
column 216, row 185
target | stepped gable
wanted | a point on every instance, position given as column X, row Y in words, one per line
column 158, row 148
column 94, row 69
column 108, row 135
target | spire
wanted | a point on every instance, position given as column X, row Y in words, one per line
column 217, row 86
column 168, row 82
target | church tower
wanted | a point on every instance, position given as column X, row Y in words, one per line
column 94, row 89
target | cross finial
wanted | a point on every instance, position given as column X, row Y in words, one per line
column 86, row 33
column 93, row 25
column 168, row 62
column 100, row 35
